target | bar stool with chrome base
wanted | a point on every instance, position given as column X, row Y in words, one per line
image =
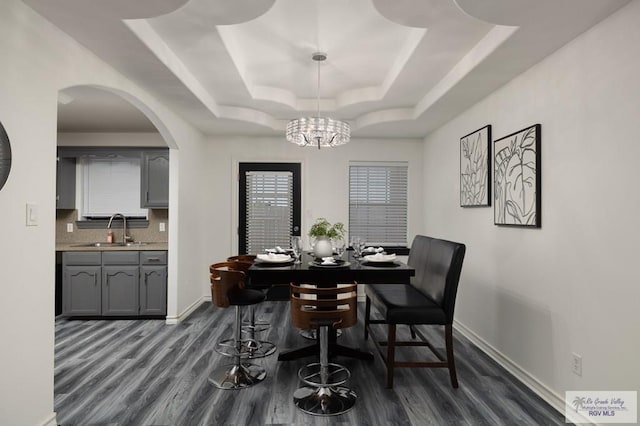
column 227, row 289
column 321, row 308
column 256, row 348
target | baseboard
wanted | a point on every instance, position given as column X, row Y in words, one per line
column 173, row 320
column 50, row 421
column 527, row 379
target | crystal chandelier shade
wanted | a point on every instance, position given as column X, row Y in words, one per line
column 318, row 131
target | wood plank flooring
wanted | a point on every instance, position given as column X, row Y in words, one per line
column 143, row 372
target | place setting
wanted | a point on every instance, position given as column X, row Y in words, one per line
column 372, row 256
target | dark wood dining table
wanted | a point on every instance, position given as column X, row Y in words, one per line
column 307, row 272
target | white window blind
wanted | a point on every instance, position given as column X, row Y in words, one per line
column 111, row 185
column 269, row 209
column 378, row 202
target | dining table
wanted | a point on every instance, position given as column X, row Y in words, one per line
column 309, row 271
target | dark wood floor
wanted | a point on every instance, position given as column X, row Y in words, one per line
column 143, row 372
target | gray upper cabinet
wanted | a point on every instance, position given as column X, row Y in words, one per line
column 154, row 179
column 66, row 183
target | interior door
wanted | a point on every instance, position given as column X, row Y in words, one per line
column 269, row 197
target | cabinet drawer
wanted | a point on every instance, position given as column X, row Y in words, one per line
column 81, row 258
column 153, row 257
column 120, row 258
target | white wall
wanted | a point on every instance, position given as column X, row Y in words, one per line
column 325, row 177
column 537, row 295
column 38, row 60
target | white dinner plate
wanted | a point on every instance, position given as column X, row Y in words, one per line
column 274, row 258
column 382, row 258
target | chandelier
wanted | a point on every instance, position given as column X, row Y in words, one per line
column 318, row 131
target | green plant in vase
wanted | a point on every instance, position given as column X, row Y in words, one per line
column 323, row 232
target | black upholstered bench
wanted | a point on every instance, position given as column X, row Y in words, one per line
column 428, row 299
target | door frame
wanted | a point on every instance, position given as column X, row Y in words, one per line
column 244, row 166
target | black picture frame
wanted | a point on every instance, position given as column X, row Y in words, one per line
column 475, row 168
column 517, row 179
column 5, row 156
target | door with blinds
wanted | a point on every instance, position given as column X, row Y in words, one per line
column 269, row 196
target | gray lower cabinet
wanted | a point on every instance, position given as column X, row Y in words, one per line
column 81, row 290
column 153, row 283
column 120, row 290
column 153, row 290
column 114, row 283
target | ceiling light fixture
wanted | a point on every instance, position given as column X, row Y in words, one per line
column 318, row 131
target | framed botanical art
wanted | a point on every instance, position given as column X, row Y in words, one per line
column 516, row 165
column 475, row 166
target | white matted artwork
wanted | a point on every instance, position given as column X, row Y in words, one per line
column 475, row 166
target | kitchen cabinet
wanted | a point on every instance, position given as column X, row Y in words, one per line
column 81, row 283
column 153, row 283
column 66, row 183
column 120, row 281
column 114, row 283
column 154, row 179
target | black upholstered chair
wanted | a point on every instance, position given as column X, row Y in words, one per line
column 429, row 299
column 227, row 289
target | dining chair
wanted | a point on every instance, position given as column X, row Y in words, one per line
column 264, row 348
column 429, row 299
column 228, row 289
column 323, row 393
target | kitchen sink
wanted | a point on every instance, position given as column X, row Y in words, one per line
column 101, row 244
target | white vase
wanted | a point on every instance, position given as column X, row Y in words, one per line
column 323, row 247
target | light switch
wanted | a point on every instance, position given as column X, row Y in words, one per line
column 69, row 227
column 32, row 214
column 162, row 227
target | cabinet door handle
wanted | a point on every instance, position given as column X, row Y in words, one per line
column 153, row 259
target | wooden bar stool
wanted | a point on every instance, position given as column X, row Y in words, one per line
column 321, row 308
column 227, row 289
column 264, row 348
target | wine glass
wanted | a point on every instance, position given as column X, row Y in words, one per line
column 296, row 246
column 338, row 247
column 355, row 245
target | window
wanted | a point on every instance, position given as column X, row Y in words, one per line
column 269, row 205
column 110, row 185
column 378, row 202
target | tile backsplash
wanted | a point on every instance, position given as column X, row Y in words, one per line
column 151, row 234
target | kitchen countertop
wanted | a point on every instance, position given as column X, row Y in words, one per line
column 80, row 247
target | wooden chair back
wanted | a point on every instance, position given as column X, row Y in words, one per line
column 250, row 258
column 225, row 278
column 312, row 306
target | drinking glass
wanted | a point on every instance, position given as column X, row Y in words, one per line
column 338, row 247
column 296, row 246
column 355, row 245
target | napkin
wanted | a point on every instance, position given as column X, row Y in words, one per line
column 274, row 257
column 278, row 249
column 374, row 250
column 329, row 260
column 382, row 257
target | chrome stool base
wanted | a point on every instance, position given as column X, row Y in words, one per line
column 324, row 401
column 249, row 348
column 234, row 377
column 311, row 333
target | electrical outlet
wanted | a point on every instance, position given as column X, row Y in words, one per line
column 577, row 364
column 69, row 227
column 162, row 227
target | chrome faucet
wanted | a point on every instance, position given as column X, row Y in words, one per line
column 124, row 226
